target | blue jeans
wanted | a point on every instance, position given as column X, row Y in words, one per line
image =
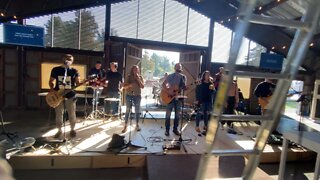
column 115, row 106
column 132, row 100
column 205, row 109
column 176, row 104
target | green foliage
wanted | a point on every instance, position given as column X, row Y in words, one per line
column 156, row 64
column 146, row 64
column 66, row 33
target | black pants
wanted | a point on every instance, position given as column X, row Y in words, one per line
column 229, row 109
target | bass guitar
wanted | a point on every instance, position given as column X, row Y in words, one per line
column 54, row 98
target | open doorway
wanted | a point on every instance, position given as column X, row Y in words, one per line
column 154, row 65
column 294, row 106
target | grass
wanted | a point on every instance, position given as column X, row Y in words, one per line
column 291, row 104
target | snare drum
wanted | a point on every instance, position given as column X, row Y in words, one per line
column 111, row 106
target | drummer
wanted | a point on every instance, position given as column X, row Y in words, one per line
column 97, row 85
column 97, row 71
column 114, row 84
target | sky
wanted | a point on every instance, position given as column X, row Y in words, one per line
column 172, row 56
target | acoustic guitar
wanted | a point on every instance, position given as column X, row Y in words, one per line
column 167, row 97
column 54, row 98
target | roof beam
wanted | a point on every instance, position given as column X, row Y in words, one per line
column 259, row 9
column 268, row 6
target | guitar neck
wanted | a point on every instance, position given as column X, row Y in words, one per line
column 69, row 90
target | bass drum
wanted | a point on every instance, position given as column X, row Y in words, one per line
column 111, row 106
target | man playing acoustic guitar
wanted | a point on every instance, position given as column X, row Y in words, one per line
column 173, row 85
column 65, row 78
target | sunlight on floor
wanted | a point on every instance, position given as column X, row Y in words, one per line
column 246, row 144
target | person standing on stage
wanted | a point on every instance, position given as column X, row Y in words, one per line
column 218, row 77
column 65, row 77
column 174, row 84
column 114, row 84
column 231, row 105
column 115, row 81
column 133, row 85
column 204, row 98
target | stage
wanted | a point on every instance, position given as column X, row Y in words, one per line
column 89, row 148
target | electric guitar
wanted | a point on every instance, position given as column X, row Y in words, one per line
column 54, row 98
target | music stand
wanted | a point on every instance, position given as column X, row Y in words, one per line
column 129, row 143
column 179, row 142
column 9, row 135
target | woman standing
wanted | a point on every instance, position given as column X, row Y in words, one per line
column 133, row 85
column 204, row 97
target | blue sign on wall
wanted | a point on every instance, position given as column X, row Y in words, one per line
column 271, row 61
column 23, row 35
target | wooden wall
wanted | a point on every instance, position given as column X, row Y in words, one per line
column 9, row 74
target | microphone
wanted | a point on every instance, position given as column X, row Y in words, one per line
column 65, row 75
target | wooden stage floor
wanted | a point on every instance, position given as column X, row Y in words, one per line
column 89, row 148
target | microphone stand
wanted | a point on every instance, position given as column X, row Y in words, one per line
column 179, row 142
column 64, row 140
column 130, row 144
column 147, row 112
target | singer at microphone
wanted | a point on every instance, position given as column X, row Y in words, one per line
column 65, row 78
column 133, row 85
column 173, row 84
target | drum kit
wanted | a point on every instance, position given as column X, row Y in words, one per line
column 111, row 105
column 156, row 90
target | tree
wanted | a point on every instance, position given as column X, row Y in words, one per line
column 162, row 65
column 158, row 65
column 146, row 64
column 89, row 30
column 66, row 33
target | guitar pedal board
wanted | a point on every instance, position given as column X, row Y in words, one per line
column 176, row 146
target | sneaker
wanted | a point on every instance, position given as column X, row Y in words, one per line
column 138, row 128
column 176, row 132
column 124, row 129
column 73, row 133
column 166, row 133
column 58, row 134
column 197, row 129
